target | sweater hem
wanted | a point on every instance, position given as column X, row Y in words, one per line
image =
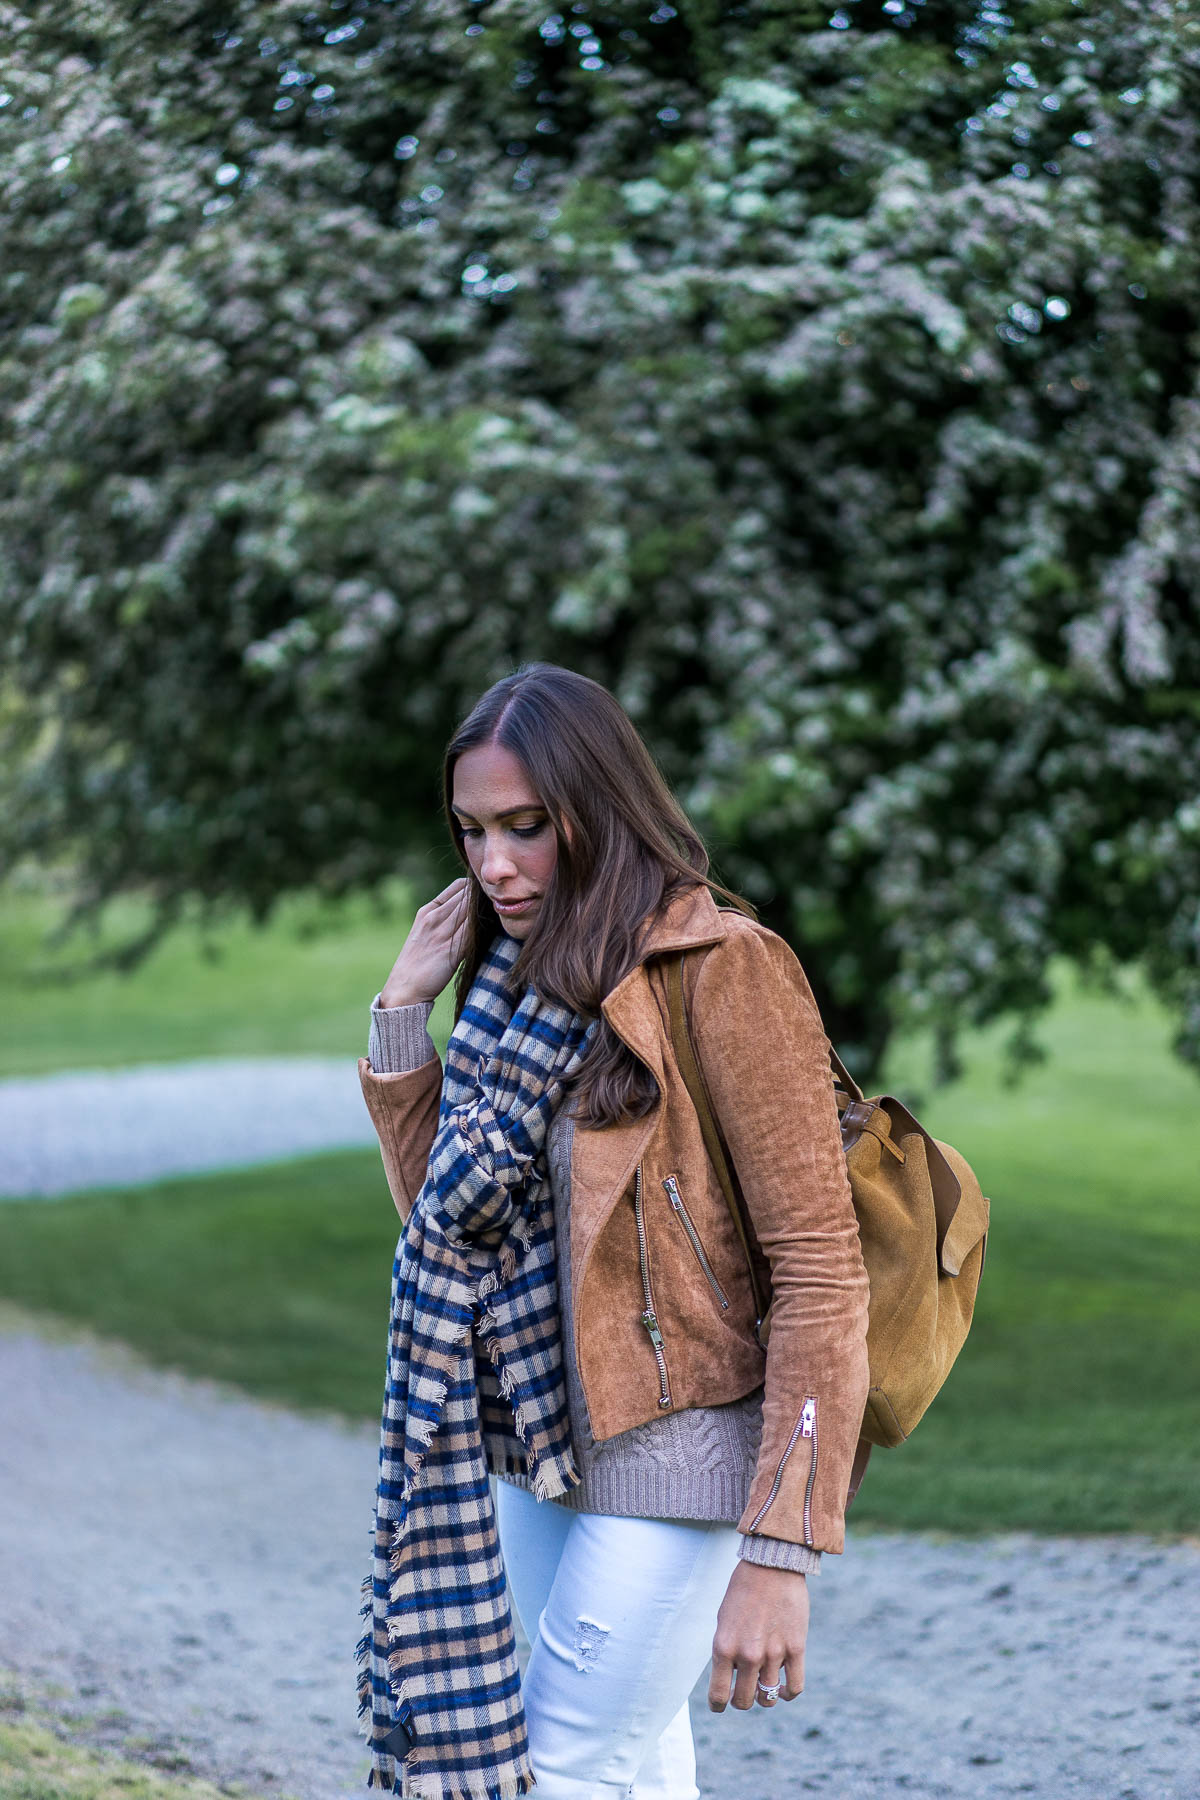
column 716, row 1496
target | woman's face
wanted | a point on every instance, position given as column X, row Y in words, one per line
column 509, row 841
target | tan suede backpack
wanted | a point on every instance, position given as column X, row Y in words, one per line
column 922, row 1221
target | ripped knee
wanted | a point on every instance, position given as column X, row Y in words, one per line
column 590, row 1639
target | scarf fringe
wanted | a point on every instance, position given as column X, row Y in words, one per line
column 423, row 1431
column 549, row 1481
column 504, row 1268
column 549, row 1476
column 383, row 1773
column 429, row 1787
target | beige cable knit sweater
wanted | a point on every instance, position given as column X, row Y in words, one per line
column 693, row 1464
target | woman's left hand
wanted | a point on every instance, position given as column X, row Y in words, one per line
column 762, row 1629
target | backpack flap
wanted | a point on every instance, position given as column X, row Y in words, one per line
column 971, row 1216
column 921, row 1217
column 958, row 1203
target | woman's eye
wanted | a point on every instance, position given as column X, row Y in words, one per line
column 523, row 831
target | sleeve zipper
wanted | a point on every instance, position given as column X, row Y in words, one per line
column 681, row 1213
column 806, row 1427
column 649, row 1317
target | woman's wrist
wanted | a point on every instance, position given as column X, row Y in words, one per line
column 779, row 1553
column 391, row 997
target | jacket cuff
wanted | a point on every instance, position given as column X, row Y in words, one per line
column 779, row 1553
column 399, row 1041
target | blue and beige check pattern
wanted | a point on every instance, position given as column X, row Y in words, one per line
column 474, row 1382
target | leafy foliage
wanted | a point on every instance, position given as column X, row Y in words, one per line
column 823, row 381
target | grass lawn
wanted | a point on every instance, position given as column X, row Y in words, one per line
column 277, row 1278
column 1075, row 1405
column 48, row 1758
column 1076, row 1402
column 302, row 986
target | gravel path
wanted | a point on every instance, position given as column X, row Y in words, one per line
column 188, row 1561
column 113, row 1127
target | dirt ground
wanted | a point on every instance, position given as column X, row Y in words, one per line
column 183, row 1564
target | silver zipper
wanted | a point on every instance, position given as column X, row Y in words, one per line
column 681, row 1213
column 649, row 1317
column 806, row 1427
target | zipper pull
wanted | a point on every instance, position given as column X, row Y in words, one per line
column 673, row 1193
column 650, row 1321
column 808, row 1418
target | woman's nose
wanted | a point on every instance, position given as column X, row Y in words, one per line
column 495, row 863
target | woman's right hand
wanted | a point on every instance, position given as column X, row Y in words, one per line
column 432, row 950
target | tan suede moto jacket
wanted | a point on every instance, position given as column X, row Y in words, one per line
column 663, row 1308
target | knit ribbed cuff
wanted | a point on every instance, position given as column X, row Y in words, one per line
column 779, row 1553
column 399, row 1041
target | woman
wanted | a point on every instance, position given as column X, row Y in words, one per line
column 572, row 1311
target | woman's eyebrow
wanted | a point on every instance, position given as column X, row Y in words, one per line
column 510, row 812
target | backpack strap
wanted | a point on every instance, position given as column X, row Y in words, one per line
column 693, row 1080
column 842, row 1076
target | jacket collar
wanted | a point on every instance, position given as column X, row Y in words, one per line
column 691, row 919
column 687, row 922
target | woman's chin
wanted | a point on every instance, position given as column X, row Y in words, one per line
column 517, row 928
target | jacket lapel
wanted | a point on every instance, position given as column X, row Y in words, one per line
column 692, row 919
column 603, row 1162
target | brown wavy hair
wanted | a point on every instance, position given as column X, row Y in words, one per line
column 631, row 849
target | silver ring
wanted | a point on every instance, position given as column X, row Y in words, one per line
column 772, row 1693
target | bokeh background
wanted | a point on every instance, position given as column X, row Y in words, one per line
column 822, row 379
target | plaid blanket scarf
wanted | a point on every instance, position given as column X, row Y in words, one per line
column 474, row 1381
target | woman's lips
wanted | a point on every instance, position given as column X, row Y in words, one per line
column 512, row 908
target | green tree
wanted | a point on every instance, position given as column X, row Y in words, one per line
column 824, row 379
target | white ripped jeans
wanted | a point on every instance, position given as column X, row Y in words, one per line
column 620, row 1614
